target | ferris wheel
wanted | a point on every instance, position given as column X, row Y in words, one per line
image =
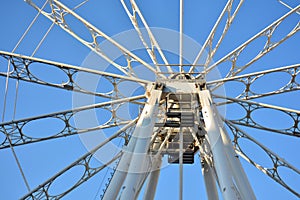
column 157, row 99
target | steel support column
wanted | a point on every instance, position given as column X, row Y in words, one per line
column 141, row 136
column 150, row 189
column 239, row 174
column 231, row 188
column 210, row 181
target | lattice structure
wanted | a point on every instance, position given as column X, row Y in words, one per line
column 174, row 111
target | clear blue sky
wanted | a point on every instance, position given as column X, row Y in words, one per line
column 42, row 160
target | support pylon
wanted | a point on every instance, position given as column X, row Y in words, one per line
column 178, row 121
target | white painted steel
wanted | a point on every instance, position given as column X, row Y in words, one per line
column 240, row 176
column 181, row 164
column 224, row 173
column 142, row 137
column 151, row 186
column 154, row 43
column 210, row 181
column 120, row 174
column 181, row 36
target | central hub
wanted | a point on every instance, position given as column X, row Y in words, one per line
column 179, row 113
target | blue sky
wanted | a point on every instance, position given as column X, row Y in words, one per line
column 42, row 160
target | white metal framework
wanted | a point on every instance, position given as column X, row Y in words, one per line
column 178, row 120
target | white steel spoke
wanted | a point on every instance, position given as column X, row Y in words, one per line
column 208, row 46
column 248, row 120
column 181, row 39
column 250, row 79
column 42, row 191
column 57, row 15
column 277, row 161
column 181, row 71
column 21, row 71
column 266, row 33
column 287, row 5
column 15, row 131
column 134, row 18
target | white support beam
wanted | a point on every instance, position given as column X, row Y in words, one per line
column 141, row 137
column 210, row 181
column 150, row 189
column 180, row 164
column 239, row 174
column 119, row 176
column 231, row 188
column 181, row 37
column 130, row 170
